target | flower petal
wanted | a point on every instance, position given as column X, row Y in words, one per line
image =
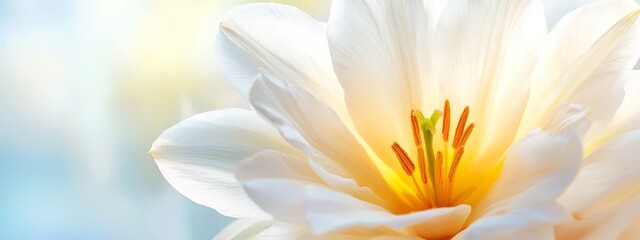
column 308, row 124
column 627, row 117
column 284, row 230
column 328, row 211
column 279, row 39
column 609, row 223
column 197, row 157
column 587, row 59
column 318, row 131
column 609, row 174
column 632, row 231
column 243, row 229
column 272, row 164
column 374, row 48
column 536, row 171
column 483, row 55
column 267, row 229
column 531, row 223
column 276, row 182
column 543, row 162
column 332, row 177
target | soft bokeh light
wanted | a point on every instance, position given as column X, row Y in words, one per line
column 85, row 88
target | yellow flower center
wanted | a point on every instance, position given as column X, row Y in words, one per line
column 437, row 170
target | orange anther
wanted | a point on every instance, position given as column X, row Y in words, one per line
column 415, row 127
column 461, row 125
column 405, row 161
column 466, row 134
column 456, row 161
column 446, row 121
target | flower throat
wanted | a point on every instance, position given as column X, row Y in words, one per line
column 437, row 170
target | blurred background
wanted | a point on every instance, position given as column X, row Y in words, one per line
column 85, row 88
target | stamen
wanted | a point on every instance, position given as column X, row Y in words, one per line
column 467, row 132
column 456, row 161
column 415, row 127
column 423, row 169
column 437, row 171
column 461, row 125
column 446, row 121
column 406, row 163
column 439, row 168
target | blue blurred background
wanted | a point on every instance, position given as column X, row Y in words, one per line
column 85, row 88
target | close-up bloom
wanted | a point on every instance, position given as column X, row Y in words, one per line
column 416, row 119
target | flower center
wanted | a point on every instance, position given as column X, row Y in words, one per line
column 437, row 170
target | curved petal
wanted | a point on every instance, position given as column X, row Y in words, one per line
column 587, row 59
column 198, row 155
column 330, row 174
column 328, row 211
column 374, row 48
column 627, row 117
column 532, row 223
column 276, row 182
column 609, row 223
column 272, row 164
column 308, row 124
column 538, row 168
column 242, row 229
column 283, row 230
column 536, row 171
column 317, row 130
column 609, row 174
column 483, row 55
column 282, row 40
column 632, row 231
column 394, row 237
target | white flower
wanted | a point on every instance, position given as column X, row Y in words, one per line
column 529, row 138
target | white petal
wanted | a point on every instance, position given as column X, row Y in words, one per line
column 632, row 231
column 536, row 171
column 276, row 182
column 607, row 175
column 627, row 117
column 243, row 229
column 317, row 130
column 400, row 237
column 340, row 183
column 607, row 224
column 538, row 167
column 272, row 164
column 587, row 59
column 531, row 223
column 629, row 112
column 198, row 156
column 284, row 230
column 281, row 40
column 374, row 48
column 328, row 210
column 483, row 55
column 570, row 116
